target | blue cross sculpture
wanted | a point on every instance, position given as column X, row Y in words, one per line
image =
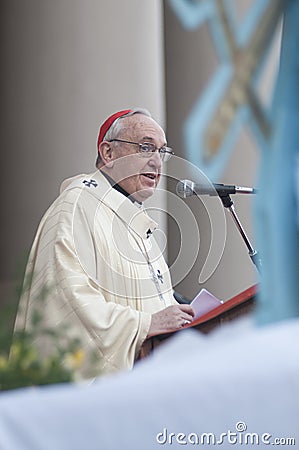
column 231, row 97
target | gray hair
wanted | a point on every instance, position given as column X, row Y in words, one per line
column 117, row 126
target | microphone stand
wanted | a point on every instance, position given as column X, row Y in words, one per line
column 254, row 255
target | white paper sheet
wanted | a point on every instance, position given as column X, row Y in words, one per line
column 204, row 302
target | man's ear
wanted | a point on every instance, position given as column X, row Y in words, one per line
column 106, row 153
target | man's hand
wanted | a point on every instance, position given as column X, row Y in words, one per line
column 171, row 318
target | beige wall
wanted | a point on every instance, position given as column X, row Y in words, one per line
column 65, row 66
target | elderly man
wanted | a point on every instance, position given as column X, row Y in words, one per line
column 107, row 280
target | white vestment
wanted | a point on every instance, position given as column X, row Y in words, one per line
column 104, row 272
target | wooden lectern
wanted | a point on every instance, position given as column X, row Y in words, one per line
column 238, row 306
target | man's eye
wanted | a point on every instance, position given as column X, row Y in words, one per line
column 148, row 148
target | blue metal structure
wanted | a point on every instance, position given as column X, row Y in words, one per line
column 277, row 208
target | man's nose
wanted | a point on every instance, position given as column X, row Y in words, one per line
column 155, row 160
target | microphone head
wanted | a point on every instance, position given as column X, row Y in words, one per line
column 184, row 188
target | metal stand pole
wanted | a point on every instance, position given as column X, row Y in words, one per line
column 228, row 203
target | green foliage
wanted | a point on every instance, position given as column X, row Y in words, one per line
column 21, row 361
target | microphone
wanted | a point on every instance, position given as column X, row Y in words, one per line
column 186, row 188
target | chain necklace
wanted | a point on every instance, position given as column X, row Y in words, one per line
column 154, row 277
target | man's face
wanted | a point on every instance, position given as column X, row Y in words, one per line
column 138, row 175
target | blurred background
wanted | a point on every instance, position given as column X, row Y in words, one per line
column 68, row 64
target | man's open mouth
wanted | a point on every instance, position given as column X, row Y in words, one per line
column 152, row 176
